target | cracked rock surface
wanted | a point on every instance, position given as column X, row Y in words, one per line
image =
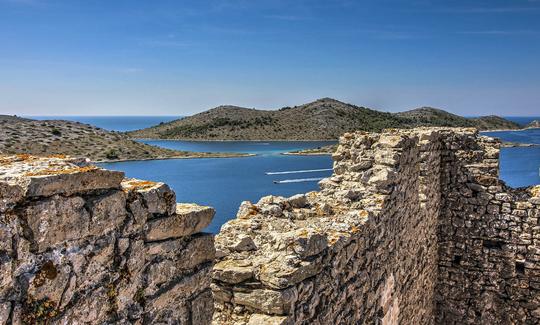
column 84, row 245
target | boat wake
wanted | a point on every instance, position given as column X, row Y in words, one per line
column 299, row 180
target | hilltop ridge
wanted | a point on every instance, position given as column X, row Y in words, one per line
column 323, row 119
column 57, row 137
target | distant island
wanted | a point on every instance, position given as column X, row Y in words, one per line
column 323, row 119
column 533, row 125
column 56, row 137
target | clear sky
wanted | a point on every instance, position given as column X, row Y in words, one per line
column 142, row 57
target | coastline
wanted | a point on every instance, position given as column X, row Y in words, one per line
column 291, row 140
column 507, row 130
column 224, row 156
column 229, row 140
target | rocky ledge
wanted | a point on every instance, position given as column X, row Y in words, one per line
column 84, row 245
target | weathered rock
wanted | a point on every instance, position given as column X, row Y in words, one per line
column 414, row 227
column 268, row 301
column 157, row 197
column 73, row 248
column 262, row 319
column 188, row 219
column 57, row 219
column 232, row 271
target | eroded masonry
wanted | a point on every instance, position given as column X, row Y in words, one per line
column 413, row 227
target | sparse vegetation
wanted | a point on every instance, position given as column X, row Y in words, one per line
column 111, row 154
column 79, row 140
column 324, row 119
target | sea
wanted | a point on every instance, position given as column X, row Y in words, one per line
column 224, row 183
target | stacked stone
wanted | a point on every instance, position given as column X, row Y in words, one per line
column 489, row 239
column 83, row 245
column 362, row 250
column 413, row 227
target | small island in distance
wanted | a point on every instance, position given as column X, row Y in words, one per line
column 323, row 119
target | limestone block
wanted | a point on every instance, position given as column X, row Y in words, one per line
column 284, row 272
column 158, row 197
column 309, row 244
column 188, row 219
column 233, row 271
column 202, row 308
column 186, row 253
column 262, row 319
column 41, row 176
column 177, row 292
column 57, row 219
column 50, row 282
column 298, row 201
column 276, row 302
column 107, row 211
column 247, row 210
column 95, row 307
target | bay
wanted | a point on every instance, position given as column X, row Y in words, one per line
column 224, row 183
column 519, row 166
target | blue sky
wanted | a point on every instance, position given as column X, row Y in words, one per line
column 92, row 57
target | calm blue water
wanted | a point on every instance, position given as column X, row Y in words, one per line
column 113, row 123
column 519, row 166
column 523, row 120
column 225, row 182
column 257, row 147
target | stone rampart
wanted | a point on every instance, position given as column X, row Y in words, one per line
column 413, row 227
column 83, row 245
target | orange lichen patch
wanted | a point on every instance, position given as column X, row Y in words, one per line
column 302, row 233
column 535, row 191
column 335, row 236
column 52, row 171
column 7, row 160
column 58, row 156
column 137, row 185
column 25, row 157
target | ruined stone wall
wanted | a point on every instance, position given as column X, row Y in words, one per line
column 489, row 240
column 83, row 245
column 363, row 250
column 413, row 227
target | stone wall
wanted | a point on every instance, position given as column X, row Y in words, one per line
column 489, row 240
column 83, row 245
column 413, row 227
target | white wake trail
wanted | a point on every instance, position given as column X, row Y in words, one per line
column 299, row 180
